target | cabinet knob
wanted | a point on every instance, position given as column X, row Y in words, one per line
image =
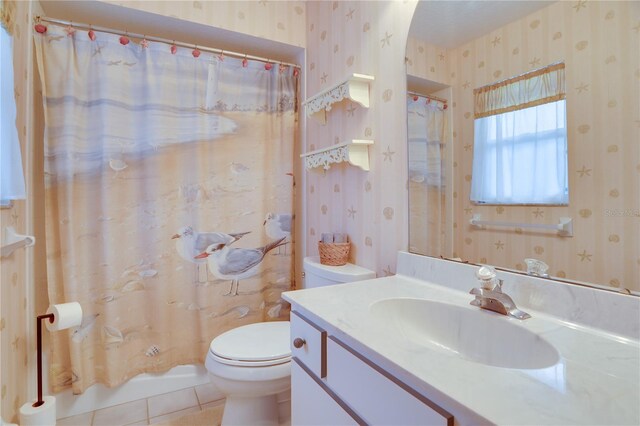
column 298, row 343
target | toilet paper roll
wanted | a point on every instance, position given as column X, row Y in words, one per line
column 44, row 415
column 65, row 315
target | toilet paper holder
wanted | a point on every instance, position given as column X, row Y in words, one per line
column 60, row 317
column 50, row 318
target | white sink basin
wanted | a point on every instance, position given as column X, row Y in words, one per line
column 471, row 333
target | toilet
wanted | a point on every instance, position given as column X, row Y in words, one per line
column 251, row 364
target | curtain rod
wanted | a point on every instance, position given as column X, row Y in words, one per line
column 435, row 98
column 161, row 40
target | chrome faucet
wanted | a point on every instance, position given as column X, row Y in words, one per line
column 490, row 296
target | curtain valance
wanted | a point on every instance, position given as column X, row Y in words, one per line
column 534, row 88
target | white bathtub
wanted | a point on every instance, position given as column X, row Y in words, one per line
column 142, row 386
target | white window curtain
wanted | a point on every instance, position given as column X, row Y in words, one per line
column 520, row 150
column 11, row 174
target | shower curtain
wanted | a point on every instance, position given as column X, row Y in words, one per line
column 169, row 204
column 427, row 200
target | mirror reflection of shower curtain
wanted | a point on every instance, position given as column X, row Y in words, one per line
column 427, row 176
column 169, row 201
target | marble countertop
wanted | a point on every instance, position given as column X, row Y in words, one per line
column 596, row 381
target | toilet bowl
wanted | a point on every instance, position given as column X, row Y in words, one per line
column 251, row 366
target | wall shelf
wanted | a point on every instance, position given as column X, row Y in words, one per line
column 355, row 152
column 355, row 87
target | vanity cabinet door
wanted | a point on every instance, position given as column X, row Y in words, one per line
column 374, row 394
column 309, row 344
column 314, row 404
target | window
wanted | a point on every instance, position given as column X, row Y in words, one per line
column 520, row 140
column 11, row 177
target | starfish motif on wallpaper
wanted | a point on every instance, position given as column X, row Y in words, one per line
column 15, row 342
column 581, row 4
column 582, row 88
column 441, row 56
column 14, row 217
column 499, row 245
column 468, row 210
column 323, row 77
column 351, row 109
column 263, row 2
column 351, row 212
column 466, row 84
column 584, row 256
column 496, row 41
column 538, row 213
column 534, row 62
column 350, row 14
column 386, row 40
column 388, row 154
column 467, row 147
column 584, row 172
column 387, row 271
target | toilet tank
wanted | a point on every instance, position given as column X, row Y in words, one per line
column 318, row 275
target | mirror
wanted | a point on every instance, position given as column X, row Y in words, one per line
column 456, row 47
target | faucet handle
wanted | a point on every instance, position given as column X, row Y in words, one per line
column 486, row 275
column 498, row 286
column 537, row 267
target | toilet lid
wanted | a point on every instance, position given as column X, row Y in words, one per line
column 263, row 341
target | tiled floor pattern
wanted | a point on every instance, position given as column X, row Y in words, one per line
column 155, row 410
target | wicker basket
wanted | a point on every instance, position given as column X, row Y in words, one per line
column 334, row 254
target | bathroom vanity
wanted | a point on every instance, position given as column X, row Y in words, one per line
column 410, row 349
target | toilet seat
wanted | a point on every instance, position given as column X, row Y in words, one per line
column 240, row 363
column 254, row 345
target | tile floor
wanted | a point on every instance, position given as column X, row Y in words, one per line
column 155, row 410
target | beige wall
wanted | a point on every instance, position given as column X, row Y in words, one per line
column 599, row 43
column 281, row 21
column 428, row 61
column 369, row 38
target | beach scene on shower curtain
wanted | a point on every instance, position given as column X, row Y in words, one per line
column 169, row 200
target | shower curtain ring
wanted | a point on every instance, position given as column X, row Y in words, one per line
column 124, row 40
column 70, row 30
